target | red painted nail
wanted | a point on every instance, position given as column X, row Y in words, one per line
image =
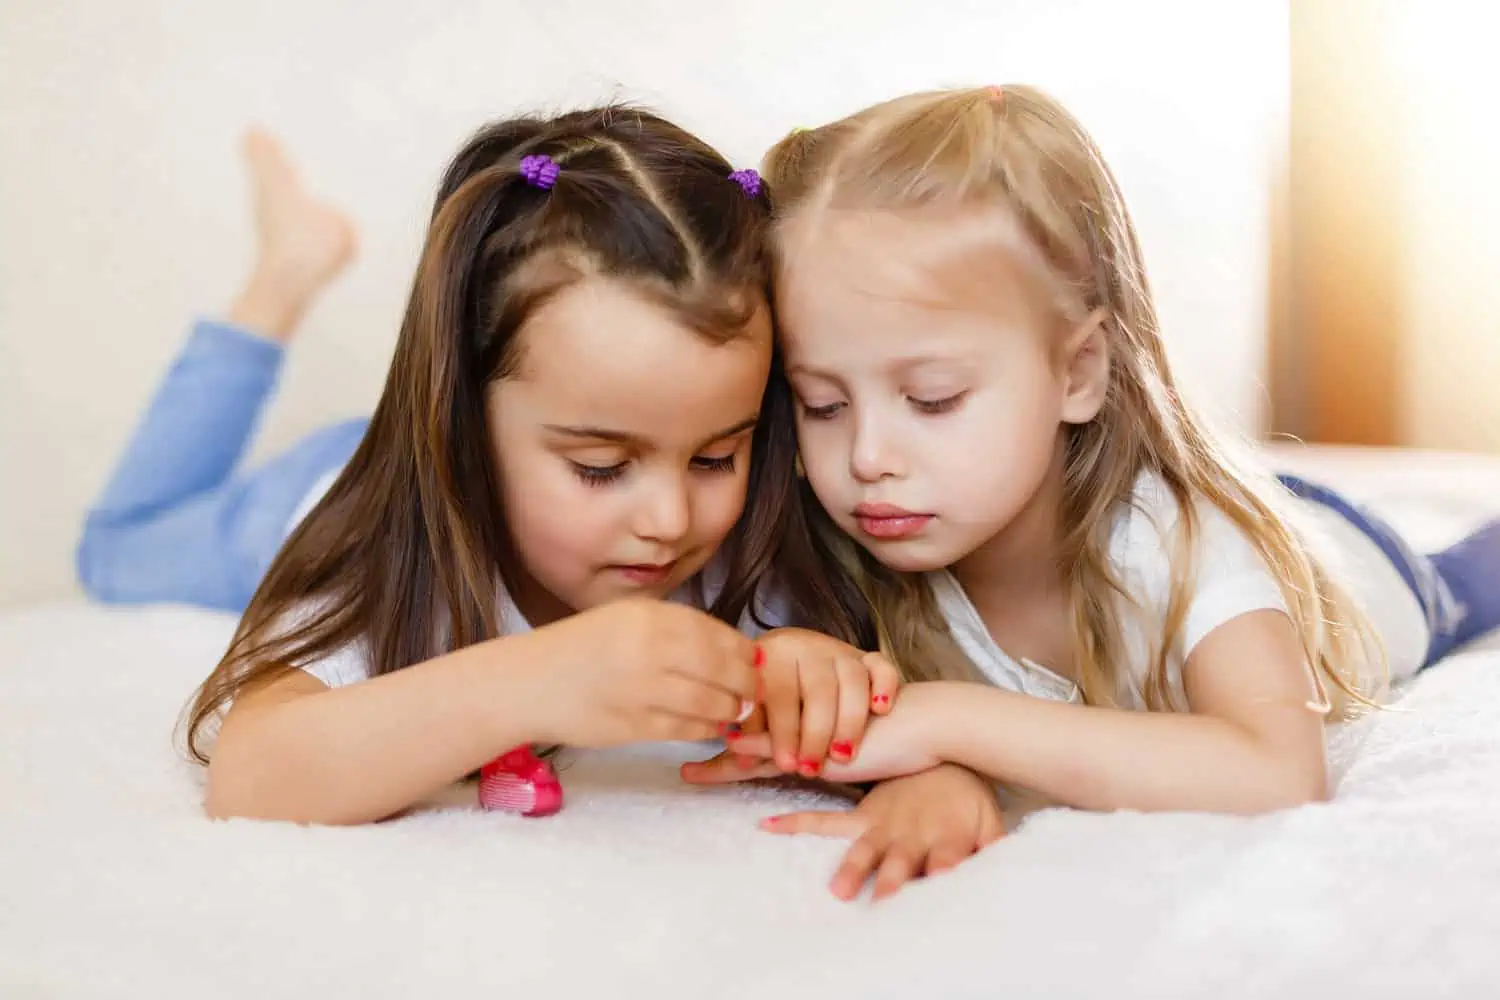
column 760, row 657
column 810, row 767
column 882, row 699
column 842, row 748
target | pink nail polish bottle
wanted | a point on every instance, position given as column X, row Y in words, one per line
column 520, row 781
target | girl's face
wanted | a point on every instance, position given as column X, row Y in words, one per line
column 622, row 446
column 930, row 406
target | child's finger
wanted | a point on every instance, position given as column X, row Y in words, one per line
column 694, row 698
column 727, row 660
column 853, row 711
column 756, row 723
column 725, row 769
column 900, row 865
column 819, row 681
column 822, row 823
column 884, row 680
column 860, row 862
column 756, row 746
column 783, row 700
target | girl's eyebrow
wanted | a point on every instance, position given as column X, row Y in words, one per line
column 627, row 438
column 958, row 360
column 594, row 434
column 901, row 364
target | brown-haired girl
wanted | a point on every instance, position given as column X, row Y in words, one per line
column 576, row 424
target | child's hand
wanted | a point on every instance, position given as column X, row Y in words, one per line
column 641, row 671
column 922, row 824
column 818, row 694
column 899, row 743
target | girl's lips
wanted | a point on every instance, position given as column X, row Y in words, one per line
column 646, row 574
column 889, row 523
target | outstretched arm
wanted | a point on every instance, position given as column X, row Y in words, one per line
column 1250, row 743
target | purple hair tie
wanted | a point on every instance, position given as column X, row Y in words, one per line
column 540, row 171
column 749, row 182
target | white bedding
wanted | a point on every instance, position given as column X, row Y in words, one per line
column 113, row 884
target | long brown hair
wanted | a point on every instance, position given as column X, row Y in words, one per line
column 408, row 549
column 1016, row 148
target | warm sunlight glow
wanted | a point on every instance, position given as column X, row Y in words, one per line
column 1449, row 72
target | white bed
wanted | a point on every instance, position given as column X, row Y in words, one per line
column 113, row 884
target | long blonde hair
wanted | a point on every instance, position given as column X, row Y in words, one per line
column 1018, row 149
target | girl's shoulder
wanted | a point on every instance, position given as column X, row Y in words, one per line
column 1152, row 553
column 1149, row 528
column 344, row 665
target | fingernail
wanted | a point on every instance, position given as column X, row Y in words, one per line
column 810, row 768
column 786, row 762
column 730, row 730
column 743, row 762
column 842, row 749
column 760, row 657
column 770, row 821
column 882, row 699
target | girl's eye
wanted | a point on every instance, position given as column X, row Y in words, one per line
column 598, row 475
column 707, row 464
column 937, row 405
column 821, row 412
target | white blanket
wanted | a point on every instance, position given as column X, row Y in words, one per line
column 112, row 884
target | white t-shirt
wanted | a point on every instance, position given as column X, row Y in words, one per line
column 1231, row 580
column 351, row 663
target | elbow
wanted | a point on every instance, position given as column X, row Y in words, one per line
column 232, row 794
column 239, row 788
column 1288, row 787
column 1294, row 794
column 263, row 789
column 221, row 800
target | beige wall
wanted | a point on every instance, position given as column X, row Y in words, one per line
column 1450, row 222
column 122, row 212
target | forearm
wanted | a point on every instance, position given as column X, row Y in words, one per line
column 363, row 752
column 1100, row 758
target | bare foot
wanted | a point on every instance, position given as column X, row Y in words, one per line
column 304, row 243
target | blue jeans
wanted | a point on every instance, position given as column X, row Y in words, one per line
column 177, row 522
column 1458, row 588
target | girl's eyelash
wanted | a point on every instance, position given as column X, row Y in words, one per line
column 725, row 464
column 933, row 406
column 820, row 412
column 598, row 475
column 603, row 475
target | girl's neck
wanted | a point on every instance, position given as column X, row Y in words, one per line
column 1021, row 560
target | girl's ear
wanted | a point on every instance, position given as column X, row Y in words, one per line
column 1085, row 370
